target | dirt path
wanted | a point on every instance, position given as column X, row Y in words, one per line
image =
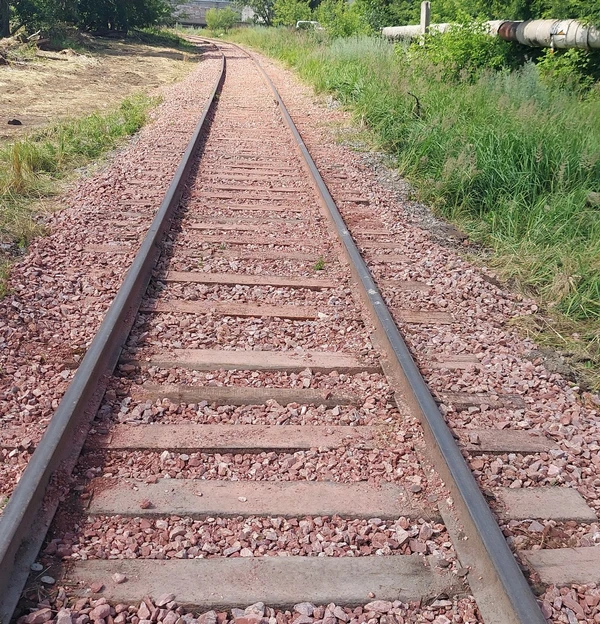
column 56, row 85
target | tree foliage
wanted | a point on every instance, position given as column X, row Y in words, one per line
column 221, row 20
column 340, row 18
column 4, row 18
column 95, row 15
column 39, row 14
column 288, row 12
column 380, row 13
column 264, row 10
column 455, row 10
column 107, row 15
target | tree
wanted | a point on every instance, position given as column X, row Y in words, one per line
column 4, row 18
column 121, row 15
column 381, row 13
column 43, row 14
column 399, row 12
column 221, row 20
column 288, row 12
column 262, row 9
column 96, row 15
column 341, row 19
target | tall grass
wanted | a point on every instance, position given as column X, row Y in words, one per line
column 31, row 168
column 509, row 156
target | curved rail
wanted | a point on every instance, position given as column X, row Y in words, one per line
column 30, row 510
column 515, row 603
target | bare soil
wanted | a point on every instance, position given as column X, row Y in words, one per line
column 58, row 85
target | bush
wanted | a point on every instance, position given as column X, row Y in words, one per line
column 569, row 69
column 221, row 20
column 463, row 52
column 288, row 12
column 43, row 15
column 341, row 19
column 94, row 15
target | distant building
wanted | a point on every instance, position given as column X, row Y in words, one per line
column 192, row 12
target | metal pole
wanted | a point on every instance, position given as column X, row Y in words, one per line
column 425, row 16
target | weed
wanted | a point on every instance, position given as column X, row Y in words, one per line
column 4, row 273
column 319, row 264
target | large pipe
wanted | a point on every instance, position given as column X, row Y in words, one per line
column 411, row 32
column 534, row 33
column 551, row 34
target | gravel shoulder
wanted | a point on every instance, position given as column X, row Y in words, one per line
column 56, row 298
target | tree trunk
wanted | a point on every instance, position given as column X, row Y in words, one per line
column 4, row 19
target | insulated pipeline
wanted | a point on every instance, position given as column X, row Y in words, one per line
column 559, row 34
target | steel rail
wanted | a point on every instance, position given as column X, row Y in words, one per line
column 29, row 512
column 506, row 587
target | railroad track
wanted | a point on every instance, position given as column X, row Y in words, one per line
column 266, row 436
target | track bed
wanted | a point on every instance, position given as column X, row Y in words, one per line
column 263, row 440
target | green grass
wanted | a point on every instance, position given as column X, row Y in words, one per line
column 196, row 31
column 162, row 37
column 320, row 264
column 32, row 168
column 508, row 156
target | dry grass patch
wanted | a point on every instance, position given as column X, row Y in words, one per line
column 73, row 107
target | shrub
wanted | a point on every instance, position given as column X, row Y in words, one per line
column 221, row 20
column 463, row 52
column 569, row 69
column 341, row 19
column 288, row 12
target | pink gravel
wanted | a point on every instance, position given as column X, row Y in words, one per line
column 401, row 465
column 335, row 301
column 59, row 609
column 188, row 331
column 115, row 537
column 59, row 291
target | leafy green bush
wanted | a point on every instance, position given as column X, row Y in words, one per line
column 107, row 15
column 341, row 19
column 570, row 69
column 42, row 14
column 95, row 15
column 221, row 20
column 288, row 12
column 380, row 13
column 463, row 52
